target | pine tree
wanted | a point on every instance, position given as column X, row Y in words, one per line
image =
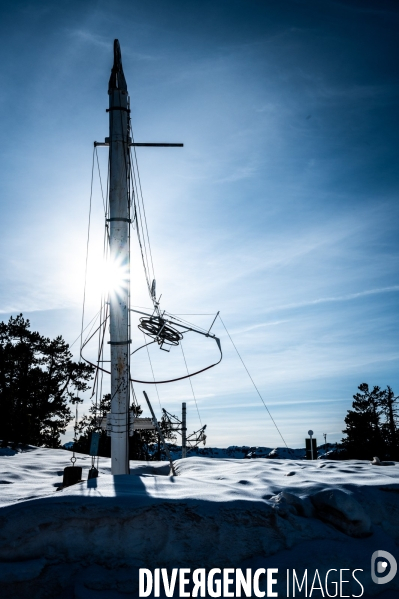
column 371, row 426
column 37, row 380
column 389, row 409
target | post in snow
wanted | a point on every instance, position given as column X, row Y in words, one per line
column 184, row 431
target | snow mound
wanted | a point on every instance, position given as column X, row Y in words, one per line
column 21, row 571
column 285, row 453
column 341, row 509
column 7, row 451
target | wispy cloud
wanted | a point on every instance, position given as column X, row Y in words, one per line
column 243, row 172
column 258, row 326
column 104, row 42
column 341, row 298
column 91, row 38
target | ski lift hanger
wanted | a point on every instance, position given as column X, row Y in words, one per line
column 163, row 331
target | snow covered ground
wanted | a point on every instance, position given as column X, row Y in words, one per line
column 89, row 540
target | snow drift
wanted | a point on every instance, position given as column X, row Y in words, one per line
column 90, row 538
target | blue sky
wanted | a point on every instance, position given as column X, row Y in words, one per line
column 281, row 211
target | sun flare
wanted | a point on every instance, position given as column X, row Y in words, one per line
column 115, row 277
column 107, row 277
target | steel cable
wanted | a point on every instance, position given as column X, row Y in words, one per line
column 257, row 390
column 191, row 384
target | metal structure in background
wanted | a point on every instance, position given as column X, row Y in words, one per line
column 180, row 426
column 156, row 425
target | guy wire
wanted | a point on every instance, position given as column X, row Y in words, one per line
column 152, row 370
column 142, row 201
column 140, row 232
column 87, row 255
column 86, row 327
column 192, row 388
column 142, row 244
column 257, row 390
column 101, row 183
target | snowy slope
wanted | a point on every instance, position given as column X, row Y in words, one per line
column 90, row 539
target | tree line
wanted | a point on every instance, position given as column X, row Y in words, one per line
column 372, row 426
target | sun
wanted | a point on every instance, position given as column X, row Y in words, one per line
column 107, row 278
column 115, row 278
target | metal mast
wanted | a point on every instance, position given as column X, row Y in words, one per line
column 119, row 221
column 119, row 141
